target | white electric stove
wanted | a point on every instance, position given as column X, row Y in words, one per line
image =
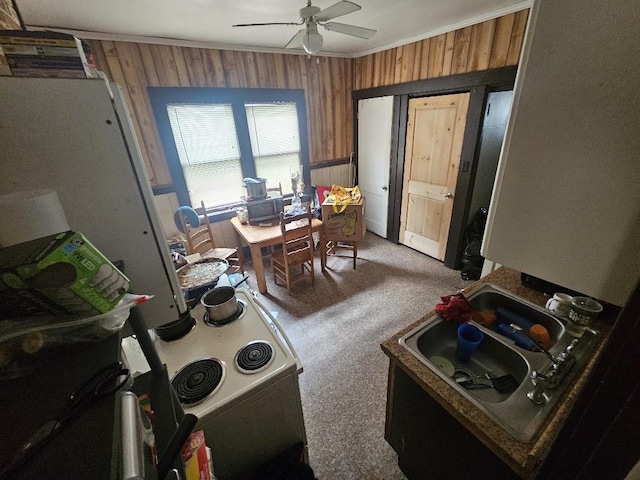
column 240, row 378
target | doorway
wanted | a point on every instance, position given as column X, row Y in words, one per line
column 435, row 130
column 478, row 85
column 375, row 117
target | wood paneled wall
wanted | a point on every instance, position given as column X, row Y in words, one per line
column 492, row 44
column 328, row 82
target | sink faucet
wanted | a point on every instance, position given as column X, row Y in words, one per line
column 551, row 379
column 540, row 384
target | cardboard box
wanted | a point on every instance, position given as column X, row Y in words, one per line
column 196, row 458
column 346, row 226
column 67, row 270
column 17, row 299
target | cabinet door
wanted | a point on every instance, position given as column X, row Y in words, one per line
column 566, row 202
column 431, row 443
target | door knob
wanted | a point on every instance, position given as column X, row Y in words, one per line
column 449, row 195
column 385, row 188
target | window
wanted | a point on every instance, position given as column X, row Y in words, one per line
column 275, row 143
column 213, row 138
column 208, row 150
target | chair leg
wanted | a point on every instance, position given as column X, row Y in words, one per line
column 355, row 254
column 312, row 272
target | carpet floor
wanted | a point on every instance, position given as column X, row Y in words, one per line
column 336, row 328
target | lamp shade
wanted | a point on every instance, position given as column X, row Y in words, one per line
column 312, row 40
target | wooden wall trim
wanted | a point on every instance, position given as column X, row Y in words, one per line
column 332, row 163
column 498, row 79
column 466, row 176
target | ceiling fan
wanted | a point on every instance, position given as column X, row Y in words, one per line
column 310, row 16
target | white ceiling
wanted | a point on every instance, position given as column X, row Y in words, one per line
column 208, row 23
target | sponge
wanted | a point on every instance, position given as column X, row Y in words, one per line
column 540, row 334
column 486, row 318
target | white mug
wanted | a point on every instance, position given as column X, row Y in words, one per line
column 560, row 304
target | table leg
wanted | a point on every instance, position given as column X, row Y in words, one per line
column 258, row 267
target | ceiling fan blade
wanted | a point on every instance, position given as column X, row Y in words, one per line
column 296, row 40
column 337, row 10
column 350, row 30
column 261, row 24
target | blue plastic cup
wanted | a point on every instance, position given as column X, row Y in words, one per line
column 469, row 339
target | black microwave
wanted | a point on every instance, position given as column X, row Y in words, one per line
column 265, row 209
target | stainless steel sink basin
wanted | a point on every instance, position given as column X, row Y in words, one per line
column 498, row 355
column 492, row 357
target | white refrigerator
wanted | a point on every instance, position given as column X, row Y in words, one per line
column 75, row 136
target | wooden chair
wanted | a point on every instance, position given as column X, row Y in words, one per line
column 332, row 247
column 200, row 240
column 275, row 248
column 297, row 251
column 275, row 189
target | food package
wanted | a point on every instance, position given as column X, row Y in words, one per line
column 64, row 272
column 196, row 458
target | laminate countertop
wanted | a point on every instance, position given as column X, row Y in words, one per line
column 524, row 458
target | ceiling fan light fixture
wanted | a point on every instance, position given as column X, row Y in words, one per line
column 312, row 40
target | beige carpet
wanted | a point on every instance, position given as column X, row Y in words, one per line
column 337, row 327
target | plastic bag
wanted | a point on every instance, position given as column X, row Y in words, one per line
column 28, row 342
column 342, row 196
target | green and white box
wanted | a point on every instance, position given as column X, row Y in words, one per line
column 67, row 269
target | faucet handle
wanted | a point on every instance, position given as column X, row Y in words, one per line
column 540, row 384
column 534, row 376
column 568, row 351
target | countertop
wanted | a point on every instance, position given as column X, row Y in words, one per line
column 523, row 458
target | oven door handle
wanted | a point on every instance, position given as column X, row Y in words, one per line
column 280, row 332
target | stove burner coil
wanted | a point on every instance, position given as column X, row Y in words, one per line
column 254, row 357
column 197, row 380
column 242, row 307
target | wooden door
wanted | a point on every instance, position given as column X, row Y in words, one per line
column 435, row 131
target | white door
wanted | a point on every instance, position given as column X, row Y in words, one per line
column 375, row 116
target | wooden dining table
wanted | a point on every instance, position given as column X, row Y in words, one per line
column 259, row 236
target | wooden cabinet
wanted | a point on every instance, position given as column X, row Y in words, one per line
column 430, row 443
column 566, row 202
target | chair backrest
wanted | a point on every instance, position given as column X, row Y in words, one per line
column 297, row 240
column 275, row 189
column 199, row 239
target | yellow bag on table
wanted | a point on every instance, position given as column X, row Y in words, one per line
column 341, row 197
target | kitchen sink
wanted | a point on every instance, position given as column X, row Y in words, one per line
column 434, row 344
column 492, row 357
